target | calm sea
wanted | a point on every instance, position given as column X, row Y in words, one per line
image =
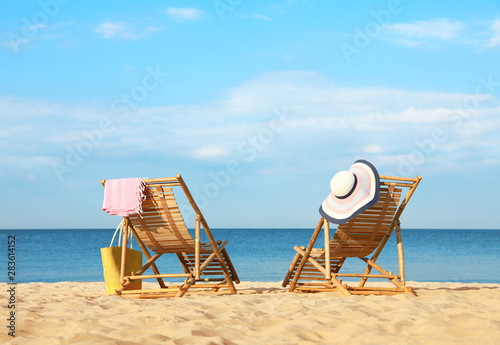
column 258, row 254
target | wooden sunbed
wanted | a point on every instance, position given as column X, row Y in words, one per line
column 318, row 269
column 161, row 229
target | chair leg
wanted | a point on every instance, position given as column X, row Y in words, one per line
column 124, row 251
column 394, row 280
column 185, row 287
column 400, row 252
column 148, row 256
column 306, row 256
column 339, row 286
column 217, row 252
column 332, row 278
column 231, row 268
column 290, row 270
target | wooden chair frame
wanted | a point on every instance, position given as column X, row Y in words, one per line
column 200, row 261
column 327, row 265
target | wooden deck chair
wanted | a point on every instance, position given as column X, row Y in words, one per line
column 161, row 229
column 315, row 269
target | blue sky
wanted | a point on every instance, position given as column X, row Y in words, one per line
column 256, row 103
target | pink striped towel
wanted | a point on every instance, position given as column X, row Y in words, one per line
column 123, row 196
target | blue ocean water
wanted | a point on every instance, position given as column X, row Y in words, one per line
column 258, row 254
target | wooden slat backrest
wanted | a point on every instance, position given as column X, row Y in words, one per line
column 161, row 226
column 363, row 234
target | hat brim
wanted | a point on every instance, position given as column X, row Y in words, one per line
column 364, row 195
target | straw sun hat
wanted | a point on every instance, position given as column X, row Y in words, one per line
column 353, row 192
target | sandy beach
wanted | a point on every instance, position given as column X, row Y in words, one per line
column 261, row 313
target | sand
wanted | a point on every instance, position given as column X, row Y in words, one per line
column 261, row 313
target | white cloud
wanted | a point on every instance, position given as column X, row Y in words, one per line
column 115, row 30
column 441, row 28
column 258, row 16
column 43, row 34
column 179, row 13
column 372, row 148
column 123, row 31
column 434, row 33
column 429, row 33
column 210, row 152
column 318, row 119
column 495, row 40
column 321, row 118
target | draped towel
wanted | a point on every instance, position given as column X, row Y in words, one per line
column 123, row 196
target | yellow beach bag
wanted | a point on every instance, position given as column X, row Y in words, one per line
column 111, row 263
